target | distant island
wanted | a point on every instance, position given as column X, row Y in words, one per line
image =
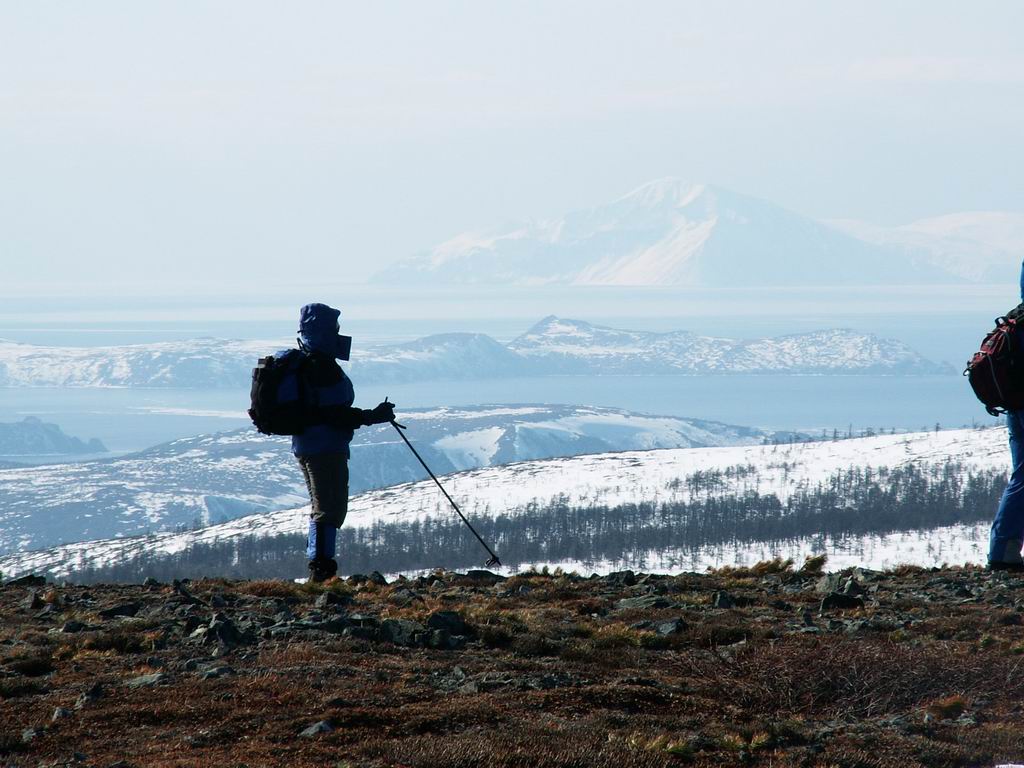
column 554, row 346
column 33, row 437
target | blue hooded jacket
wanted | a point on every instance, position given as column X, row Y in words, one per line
column 330, row 392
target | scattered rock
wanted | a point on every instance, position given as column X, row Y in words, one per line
column 565, row 619
column 443, row 640
column 317, row 728
column 29, row 580
column 122, row 609
column 33, row 602
column 853, row 587
column 335, row 625
column 223, row 631
column 853, row 627
column 450, row 621
column 646, row 602
column 403, row 597
column 830, row 582
column 377, row 578
column 840, row 601
column 722, row 600
column 144, row 681
column 673, row 627
column 362, row 627
column 92, row 693
column 361, row 633
column 328, row 599
column 182, row 595
column 214, row 672
column 487, row 683
column 621, row 578
column 481, row 576
column 402, row 632
column 651, row 578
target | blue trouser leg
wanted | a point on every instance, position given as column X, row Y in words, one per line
column 321, row 541
column 1008, row 528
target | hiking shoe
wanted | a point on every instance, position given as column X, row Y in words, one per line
column 1013, row 567
column 322, row 570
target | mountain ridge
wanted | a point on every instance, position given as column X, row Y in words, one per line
column 671, row 232
column 979, row 246
column 214, row 363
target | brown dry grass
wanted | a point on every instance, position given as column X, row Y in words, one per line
column 556, row 677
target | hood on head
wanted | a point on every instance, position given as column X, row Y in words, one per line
column 318, row 328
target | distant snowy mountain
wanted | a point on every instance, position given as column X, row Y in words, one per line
column 984, row 246
column 571, row 346
column 632, row 477
column 553, row 346
column 199, row 363
column 34, row 438
column 441, row 356
column 669, row 232
column 212, row 478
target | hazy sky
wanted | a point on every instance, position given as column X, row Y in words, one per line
column 247, row 142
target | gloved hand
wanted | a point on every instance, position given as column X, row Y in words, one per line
column 382, row 414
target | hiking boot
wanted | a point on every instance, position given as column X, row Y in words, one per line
column 1013, row 567
column 322, row 570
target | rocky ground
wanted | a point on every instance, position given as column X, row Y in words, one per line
column 771, row 666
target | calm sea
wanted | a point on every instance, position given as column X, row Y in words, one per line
column 128, row 420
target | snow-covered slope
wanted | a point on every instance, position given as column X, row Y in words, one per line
column 669, row 232
column 981, row 246
column 553, row 346
column 618, row 478
column 213, row 478
column 572, row 346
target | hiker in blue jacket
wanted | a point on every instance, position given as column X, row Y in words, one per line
column 323, row 447
column 1007, row 536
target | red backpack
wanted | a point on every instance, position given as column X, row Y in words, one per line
column 996, row 372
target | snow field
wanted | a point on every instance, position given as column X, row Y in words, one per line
column 621, row 478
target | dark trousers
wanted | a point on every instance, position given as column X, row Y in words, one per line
column 326, row 477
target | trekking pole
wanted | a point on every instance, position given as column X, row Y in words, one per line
column 494, row 558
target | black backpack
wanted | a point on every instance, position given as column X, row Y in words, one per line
column 278, row 399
